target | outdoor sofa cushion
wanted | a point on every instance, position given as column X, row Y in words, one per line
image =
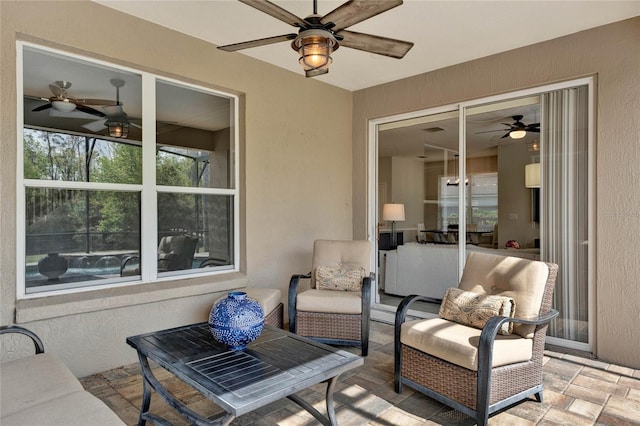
column 40, row 390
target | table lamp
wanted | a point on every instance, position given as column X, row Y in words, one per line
column 394, row 213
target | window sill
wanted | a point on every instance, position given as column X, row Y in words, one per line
column 43, row 308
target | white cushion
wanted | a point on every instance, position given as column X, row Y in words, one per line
column 329, row 301
column 75, row 409
column 521, row 279
column 458, row 343
column 269, row 298
column 337, row 253
column 29, row 381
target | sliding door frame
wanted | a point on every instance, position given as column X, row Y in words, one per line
column 385, row 313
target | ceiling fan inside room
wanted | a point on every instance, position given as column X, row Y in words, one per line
column 517, row 129
column 117, row 120
column 63, row 102
column 319, row 36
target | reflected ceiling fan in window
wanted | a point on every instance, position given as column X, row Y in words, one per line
column 518, row 129
column 63, row 102
column 319, row 36
column 117, row 120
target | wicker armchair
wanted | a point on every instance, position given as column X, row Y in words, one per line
column 477, row 371
column 333, row 316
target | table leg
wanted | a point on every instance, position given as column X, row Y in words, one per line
column 150, row 382
column 331, row 411
column 330, row 419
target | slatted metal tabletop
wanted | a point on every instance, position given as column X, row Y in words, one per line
column 273, row 367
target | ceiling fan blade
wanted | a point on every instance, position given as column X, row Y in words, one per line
column 355, row 11
column 58, row 91
column 89, row 110
column 375, row 44
column 256, row 43
column 506, row 135
column 95, row 126
column 42, row 107
column 275, row 11
column 112, row 110
column 534, row 130
column 131, row 123
column 101, row 102
column 492, row 131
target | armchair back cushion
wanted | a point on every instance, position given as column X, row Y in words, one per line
column 337, row 254
column 176, row 252
column 521, row 279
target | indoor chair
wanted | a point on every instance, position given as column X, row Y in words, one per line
column 474, row 370
column 336, row 308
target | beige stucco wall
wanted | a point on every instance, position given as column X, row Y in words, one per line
column 612, row 53
column 295, row 178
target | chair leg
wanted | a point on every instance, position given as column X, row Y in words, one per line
column 538, row 396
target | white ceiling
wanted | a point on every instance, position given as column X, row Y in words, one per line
column 444, row 32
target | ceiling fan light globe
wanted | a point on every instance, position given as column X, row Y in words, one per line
column 64, row 105
column 315, row 48
column 118, row 129
column 517, row 134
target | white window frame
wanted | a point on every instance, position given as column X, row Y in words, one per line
column 148, row 189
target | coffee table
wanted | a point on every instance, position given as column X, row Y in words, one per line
column 276, row 365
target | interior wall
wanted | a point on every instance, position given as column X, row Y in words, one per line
column 515, row 221
column 407, row 187
column 295, row 175
column 606, row 52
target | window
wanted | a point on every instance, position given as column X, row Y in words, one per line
column 89, row 176
column 482, row 201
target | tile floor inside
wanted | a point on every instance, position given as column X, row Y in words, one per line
column 577, row 391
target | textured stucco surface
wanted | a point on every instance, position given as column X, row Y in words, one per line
column 611, row 53
column 295, row 174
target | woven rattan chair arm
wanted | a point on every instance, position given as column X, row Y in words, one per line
column 125, row 261
column 39, row 347
column 292, row 298
column 490, row 330
column 367, row 288
column 401, row 312
column 488, row 336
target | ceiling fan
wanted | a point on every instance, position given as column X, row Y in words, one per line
column 63, row 102
column 518, row 129
column 117, row 120
column 319, row 36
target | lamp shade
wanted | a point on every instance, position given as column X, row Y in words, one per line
column 532, row 175
column 393, row 212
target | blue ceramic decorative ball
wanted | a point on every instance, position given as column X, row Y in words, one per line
column 236, row 320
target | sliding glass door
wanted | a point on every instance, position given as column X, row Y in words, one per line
column 508, row 175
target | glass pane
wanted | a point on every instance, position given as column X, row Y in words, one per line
column 194, row 137
column 501, row 213
column 194, row 231
column 80, row 97
column 65, row 157
column 416, row 158
column 75, row 236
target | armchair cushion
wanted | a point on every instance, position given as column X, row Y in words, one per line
column 337, row 254
column 472, row 309
column 508, row 276
column 458, row 344
column 344, row 278
column 331, row 302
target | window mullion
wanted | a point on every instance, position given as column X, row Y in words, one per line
column 149, row 197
